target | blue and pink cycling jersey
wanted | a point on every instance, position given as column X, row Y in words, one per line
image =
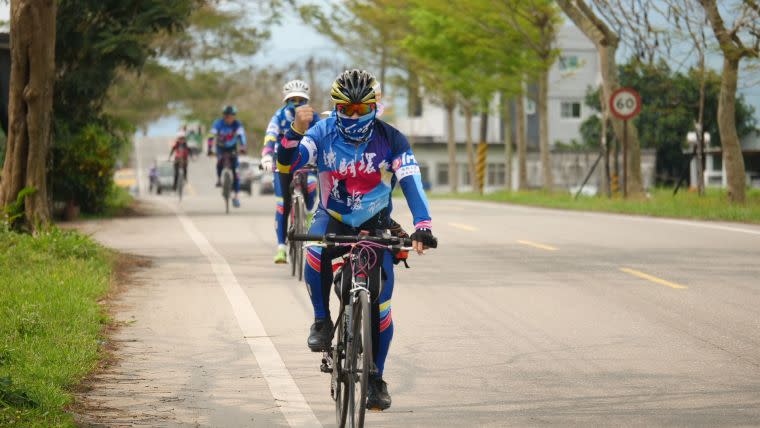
column 356, row 180
column 228, row 136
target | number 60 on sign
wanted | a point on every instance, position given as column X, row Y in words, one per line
column 625, row 103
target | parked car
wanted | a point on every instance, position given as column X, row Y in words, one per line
column 266, row 184
column 127, row 179
column 162, row 178
column 249, row 172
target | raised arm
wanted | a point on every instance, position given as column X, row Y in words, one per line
column 299, row 147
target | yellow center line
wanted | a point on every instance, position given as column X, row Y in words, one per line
column 537, row 245
column 651, row 278
column 463, row 227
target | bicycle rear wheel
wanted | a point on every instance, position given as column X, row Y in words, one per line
column 180, row 183
column 358, row 360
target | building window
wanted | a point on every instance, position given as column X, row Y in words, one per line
column 442, row 174
column 425, row 172
column 570, row 110
column 496, row 174
column 568, row 63
column 464, row 170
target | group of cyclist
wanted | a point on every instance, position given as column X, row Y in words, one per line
column 358, row 160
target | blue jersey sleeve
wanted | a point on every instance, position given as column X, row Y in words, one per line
column 240, row 133
column 408, row 176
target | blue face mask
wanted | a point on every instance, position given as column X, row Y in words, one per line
column 356, row 130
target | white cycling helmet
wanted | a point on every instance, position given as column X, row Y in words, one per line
column 181, row 134
column 295, row 88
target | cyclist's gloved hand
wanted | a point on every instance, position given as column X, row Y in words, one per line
column 267, row 163
column 423, row 239
column 241, row 150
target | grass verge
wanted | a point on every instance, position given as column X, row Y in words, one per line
column 50, row 322
column 660, row 203
column 118, row 202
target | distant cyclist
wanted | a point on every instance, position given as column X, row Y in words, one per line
column 228, row 135
column 360, row 160
column 181, row 152
column 294, row 94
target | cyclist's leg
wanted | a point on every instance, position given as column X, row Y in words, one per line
column 311, row 193
column 313, row 271
column 235, row 163
column 176, row 174
column 279, row 214
column 184, row 169
column 318, row 272
column 218, row 163
column 384, row 319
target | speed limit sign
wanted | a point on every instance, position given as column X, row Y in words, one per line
column 625, row 103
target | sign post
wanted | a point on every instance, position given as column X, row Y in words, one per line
column 625, row 104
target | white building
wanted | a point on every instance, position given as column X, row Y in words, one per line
column 575, row 71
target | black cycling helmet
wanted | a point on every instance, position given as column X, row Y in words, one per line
column 353, row 87
column 229, row 110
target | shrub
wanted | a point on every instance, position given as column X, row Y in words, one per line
column 84, row 161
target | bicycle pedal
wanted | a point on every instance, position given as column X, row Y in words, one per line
column 326, row 366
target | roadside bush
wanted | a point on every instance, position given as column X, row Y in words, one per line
column 84, row 162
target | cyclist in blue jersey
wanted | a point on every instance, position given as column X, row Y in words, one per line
column 360, row 160
column 228, row 135
column 294, row 94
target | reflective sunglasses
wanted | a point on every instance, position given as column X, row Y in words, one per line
column 350, row 109
column 297, row 101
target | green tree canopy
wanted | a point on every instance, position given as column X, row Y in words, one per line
column 670, row 104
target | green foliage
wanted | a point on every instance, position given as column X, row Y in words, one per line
column 84, row 162
column 95, row 38
column 670, row 105
column 50, row 322
column 216, row 32
column 14, row 212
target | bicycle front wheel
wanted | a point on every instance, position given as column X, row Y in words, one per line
column 299, row 219
column 358, row 360
column 339, row 385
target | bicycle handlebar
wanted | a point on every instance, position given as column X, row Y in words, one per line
column 332, row 238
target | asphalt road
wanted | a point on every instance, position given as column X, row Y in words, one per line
column 522, row 317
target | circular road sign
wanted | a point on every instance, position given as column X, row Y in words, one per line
column 625, row 103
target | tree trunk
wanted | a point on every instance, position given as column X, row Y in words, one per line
column 506, row 112
column 467, row 110
column 543, row 129
column 606, row 42
column 701, row 126
column 522, row 156
column 452, row 146
column 483, row 147
column 30, row 107
column 732, row 150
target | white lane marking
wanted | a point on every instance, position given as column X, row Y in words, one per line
column 286, row 394
column 704, row 225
